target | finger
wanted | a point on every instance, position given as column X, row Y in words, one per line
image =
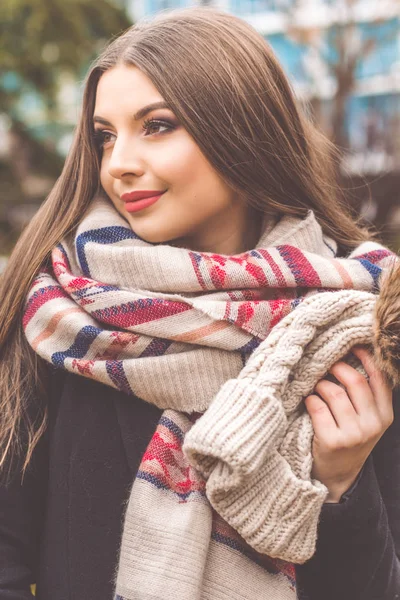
column 367, row 359
column 338, row 402
column 321, row 417
column 381, row 390
column 357, row 387
column 377, row 380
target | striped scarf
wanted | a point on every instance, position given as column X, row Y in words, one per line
column 180, row 328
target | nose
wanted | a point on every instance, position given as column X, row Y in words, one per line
column 125, row 159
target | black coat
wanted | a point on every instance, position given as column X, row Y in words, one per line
column 62, row 527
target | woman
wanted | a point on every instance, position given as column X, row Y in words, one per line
column 144, row 283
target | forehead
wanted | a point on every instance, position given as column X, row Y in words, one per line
column 124, row 88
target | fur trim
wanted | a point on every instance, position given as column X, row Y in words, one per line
column 386, row 339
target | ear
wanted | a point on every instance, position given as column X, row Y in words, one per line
column 386, row 327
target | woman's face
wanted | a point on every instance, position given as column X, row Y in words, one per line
column 146, row 149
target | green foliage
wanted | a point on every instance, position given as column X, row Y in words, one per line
column 40, row 38
column 41, row 41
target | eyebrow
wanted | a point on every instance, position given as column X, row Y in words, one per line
column 142, row 112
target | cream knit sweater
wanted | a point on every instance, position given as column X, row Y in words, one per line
column 253, row 444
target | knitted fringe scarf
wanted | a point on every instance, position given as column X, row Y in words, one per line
column 223, row 503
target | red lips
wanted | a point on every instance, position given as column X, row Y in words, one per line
column 140, row 195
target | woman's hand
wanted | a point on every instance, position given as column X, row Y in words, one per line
column 347, row 422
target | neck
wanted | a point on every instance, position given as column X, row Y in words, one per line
column 239, row 235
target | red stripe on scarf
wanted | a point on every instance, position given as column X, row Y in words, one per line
column 195, row 264
column 301, row 268
column 141, row 311
column 38, row 299
column 280, row 279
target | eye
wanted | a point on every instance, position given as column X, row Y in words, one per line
column 102, row 138
column 154, row 124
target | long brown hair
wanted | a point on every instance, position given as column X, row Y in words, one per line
column 224, row 84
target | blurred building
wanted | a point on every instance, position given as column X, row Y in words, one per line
column 342, row 57
column 305, row 35
column 308, row 37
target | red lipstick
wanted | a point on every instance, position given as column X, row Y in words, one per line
column 135, row 201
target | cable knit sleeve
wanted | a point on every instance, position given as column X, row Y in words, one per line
column 358, row 546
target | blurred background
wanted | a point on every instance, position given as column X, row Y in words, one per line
column 342, row 56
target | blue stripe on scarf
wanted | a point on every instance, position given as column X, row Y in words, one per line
column 373, row 270
column 105, row 235
column 154, row 480
column 301, row 271
column 294, row 303
column 126, row 308
column 94, row 291
column 248, row 349
column 198, row 257
column 65, row 255
column 157, row 347
column 115, row 371
column 330, row 247
column 250, row 346
column 172, row 426
column 41, row 292
column 80, row 346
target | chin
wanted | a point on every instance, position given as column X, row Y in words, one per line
column 152, row 235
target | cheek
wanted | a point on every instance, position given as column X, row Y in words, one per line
column 181, row 162
column 174, row 167
column 189, row 171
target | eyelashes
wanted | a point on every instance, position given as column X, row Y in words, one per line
column 149, row 123
column 102, row 137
